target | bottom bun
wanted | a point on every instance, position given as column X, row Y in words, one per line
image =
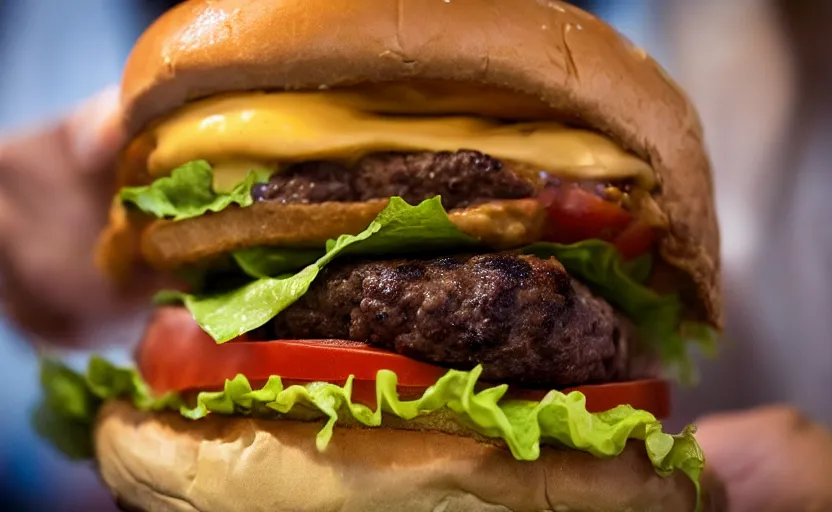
column 162, row 461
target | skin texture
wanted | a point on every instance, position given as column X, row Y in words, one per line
column 772, row 459
column 55, row 189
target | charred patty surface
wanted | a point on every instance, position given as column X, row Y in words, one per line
column 523, row 318
column 462, row 178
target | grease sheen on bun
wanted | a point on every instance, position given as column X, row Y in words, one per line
column 162, row 461
column 568, row 61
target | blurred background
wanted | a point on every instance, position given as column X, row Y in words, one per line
column 758, row 72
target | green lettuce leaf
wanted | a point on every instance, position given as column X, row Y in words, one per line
column 559, row 419
column 265, row 262
column 658, row 317
column 399, row 229
column 71, row 401
column 189, row 192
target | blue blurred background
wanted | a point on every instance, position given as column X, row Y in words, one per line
column 738, row 60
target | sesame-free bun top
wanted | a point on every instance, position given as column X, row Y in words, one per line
column 546, row 59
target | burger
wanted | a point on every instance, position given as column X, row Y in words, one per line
column 427, row 255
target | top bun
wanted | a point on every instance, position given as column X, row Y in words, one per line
column 576, row 65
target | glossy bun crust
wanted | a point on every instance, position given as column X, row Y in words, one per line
column 164, row 462
column 574, row 65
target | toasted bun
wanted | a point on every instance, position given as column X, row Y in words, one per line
column 575, row 65
column 162, row 461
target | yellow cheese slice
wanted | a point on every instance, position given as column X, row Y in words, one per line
column 238, row 131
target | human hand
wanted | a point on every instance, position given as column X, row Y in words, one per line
column 769, row 459
column 55, row 191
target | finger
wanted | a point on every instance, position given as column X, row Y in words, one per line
column 736, row 443
column 95, row 132
column 6, row 223
column 760, row 419
column 755, row 451
column 724, row 435
column 42, row 281
column 86, row 138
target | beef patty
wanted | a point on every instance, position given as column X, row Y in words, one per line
column 523, row 318
column 461, row 178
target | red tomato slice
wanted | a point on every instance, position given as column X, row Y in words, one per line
column 177, row 355
column 635, row 240
column 576, row 214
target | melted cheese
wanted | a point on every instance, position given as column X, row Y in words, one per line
column 273, row 128
column 230, row 173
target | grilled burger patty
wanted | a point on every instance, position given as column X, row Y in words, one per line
column 523, row 318
column 461, row 178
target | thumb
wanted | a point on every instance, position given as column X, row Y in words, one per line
column 734, row 442
column 754, row 452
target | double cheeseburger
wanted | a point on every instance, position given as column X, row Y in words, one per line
column 429, row 255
